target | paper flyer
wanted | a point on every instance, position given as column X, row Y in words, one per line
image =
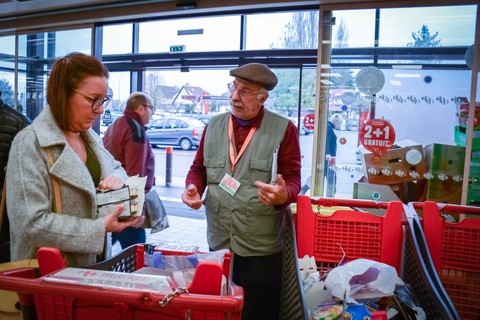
column 112, row 279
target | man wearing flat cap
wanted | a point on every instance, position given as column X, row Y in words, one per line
column 247, row 196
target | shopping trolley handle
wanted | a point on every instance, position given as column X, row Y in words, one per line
column 50, row 260
column 354, row 203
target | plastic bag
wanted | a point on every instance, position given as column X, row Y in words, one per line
column 362, row 279
column 157, row 259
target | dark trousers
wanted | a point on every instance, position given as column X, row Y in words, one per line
column 129, row 236
column 5, row 252
column 260, row 278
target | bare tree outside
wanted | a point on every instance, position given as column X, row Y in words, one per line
column 302, row 31
column 152, row 83
column 342, row 35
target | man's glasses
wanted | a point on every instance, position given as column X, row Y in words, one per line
column 232, row 87
column 96, row 102
column 152, row 108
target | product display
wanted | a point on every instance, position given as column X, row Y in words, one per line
column 445, row 163
column 397, row 165
column 463, row 106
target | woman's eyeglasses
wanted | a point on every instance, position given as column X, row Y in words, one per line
column 96, row 102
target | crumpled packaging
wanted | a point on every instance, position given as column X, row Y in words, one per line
column 362, row 279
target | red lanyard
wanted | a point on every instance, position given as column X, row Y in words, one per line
column 233, row 156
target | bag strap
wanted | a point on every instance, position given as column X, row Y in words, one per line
column 57, row 205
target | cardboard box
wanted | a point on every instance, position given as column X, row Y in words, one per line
column 404, row 163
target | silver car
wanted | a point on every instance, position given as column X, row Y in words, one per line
column 184, row 132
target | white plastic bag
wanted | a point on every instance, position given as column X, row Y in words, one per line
column 362, row 279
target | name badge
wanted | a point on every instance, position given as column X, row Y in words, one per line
column 229, row 184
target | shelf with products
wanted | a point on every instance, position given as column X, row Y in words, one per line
column 473, row 192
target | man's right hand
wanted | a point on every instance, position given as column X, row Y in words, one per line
column 192, row 198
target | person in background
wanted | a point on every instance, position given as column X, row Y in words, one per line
column 330, row 161
column 127, row 141
column 337, row 120
column 76, row 93
column 245, row 204
column 11, row 122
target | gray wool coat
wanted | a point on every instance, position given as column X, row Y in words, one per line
column 79, row 232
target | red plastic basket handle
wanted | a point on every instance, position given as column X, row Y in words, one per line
column 335, row 202
column 50, row 260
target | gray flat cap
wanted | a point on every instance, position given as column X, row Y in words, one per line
column 257, row 73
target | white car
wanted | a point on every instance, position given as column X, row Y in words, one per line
column 184, row 132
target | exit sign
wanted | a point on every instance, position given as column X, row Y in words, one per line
column 180, row 48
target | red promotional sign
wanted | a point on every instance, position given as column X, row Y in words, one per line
column 377, row 135
column 309, row 121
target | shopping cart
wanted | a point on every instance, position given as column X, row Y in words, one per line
column 454, row 249
column 42, row 299
column 329, row 229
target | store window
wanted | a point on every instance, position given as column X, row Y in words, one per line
column 353, row 28
column 61, row 43
column 292, row 30
column 190, row 35
column 412, row 83
column 117, row 39
column 203, row 93
column 118, row 90
column 36, row 53
column 7, row 72
column 447, row 26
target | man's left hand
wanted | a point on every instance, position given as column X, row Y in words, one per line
column 272, row 195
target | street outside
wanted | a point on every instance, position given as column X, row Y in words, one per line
column 348, row 171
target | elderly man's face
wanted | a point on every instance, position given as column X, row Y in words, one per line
column 246, row 99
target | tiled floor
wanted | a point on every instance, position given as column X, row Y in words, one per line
column 182, row 233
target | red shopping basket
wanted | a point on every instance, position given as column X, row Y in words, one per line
column 375, row 234
column 455, row 251
column 373, row 230
column 54, row 300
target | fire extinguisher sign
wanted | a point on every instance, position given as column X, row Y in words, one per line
column 377, row 135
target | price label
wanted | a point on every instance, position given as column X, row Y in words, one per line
column 377, row 135
column 309, row 121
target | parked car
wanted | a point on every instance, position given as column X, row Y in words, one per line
column 184, row 132
column 205, row 118
column 107, row 117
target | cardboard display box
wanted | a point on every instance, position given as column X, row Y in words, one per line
column 405, row 163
